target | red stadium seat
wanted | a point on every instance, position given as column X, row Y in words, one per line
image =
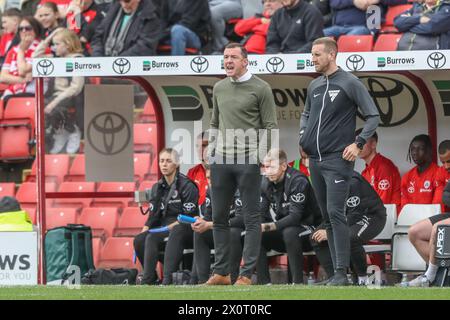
column 391, row 13
column 114, row 187
column 141, row 166
column 130, row 222
column 387, row 42
column 58, row 217
column 7, row 189
column 103, row 221
column 19, row 108
column 145, row 136
column 75, row 187
column 357, row 43
column 117, row 253
column 96, row 250
column 56, row 168
column 148, row 114
column 26, row 194
column 77, row 171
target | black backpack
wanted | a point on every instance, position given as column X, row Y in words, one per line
column 119, row 276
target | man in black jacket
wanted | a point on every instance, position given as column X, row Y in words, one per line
column 185, row 24
column 130, row 28
column 174, row 194
column 327, row 129
column 366, row 217
column 290, row 214
column 294, row 28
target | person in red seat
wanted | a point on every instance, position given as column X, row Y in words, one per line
column 10, row 25
column 443, row 174
column 255, row 29
column 382, row 174
column 83, row 17
column 198, row 173
column 48, row 15
column 17, row 68
column 418, row 183
column 64, row 98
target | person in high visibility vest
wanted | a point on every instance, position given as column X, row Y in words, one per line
column 12, row 217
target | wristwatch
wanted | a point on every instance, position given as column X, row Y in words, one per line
column 360, row 145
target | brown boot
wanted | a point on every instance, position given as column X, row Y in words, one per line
column 218, row 280
column 243, row 281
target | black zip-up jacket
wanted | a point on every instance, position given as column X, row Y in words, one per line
column 236, row 217
column 183, row 200
column 292, row 201
column 295, row 29
column 142, row 37
column 192, row 14
column 328, row 122
column 363, row 200
column 446, row 195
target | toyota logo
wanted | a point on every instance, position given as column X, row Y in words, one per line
column 121, row 66
column 384, row 184
column 109, row 133
column 355, row 62
column 389, row 92
column 436, row 60
column 299, row 197
column 189, row 206
column 238, row 203
column 353, row 202
column 199, row 64
column 275, row 65
column 45, row 67
column 207, row 202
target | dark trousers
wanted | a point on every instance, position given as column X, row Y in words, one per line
column 331, row 182
column 225, row 179
column 204, row 242
column 149, row 245
column 286, row 240
column 361, row 232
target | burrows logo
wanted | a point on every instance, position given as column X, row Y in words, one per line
column 148, row 65
column 251, row 63
column 389, row 61
column 71, row 66
column 302, row 64
column 184, row 102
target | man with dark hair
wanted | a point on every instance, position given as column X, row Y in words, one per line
column 418, row 183
column 242, row 123
column 198, row 173
column 327, row 135
column 443, row 174
column 130, row 28
column 10, row 24
column 380, row 172
column 294, row 27
column 290, row 213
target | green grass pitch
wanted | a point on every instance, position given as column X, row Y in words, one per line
column 274, row 292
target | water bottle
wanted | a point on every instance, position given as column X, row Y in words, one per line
column 311, row 279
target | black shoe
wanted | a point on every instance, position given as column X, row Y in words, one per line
column 339, row 279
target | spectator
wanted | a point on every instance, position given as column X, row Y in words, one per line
column 366, row 217
column 349, row 16
column 48, row 16
column 83, row 17
column 221, row 12
column 185, row 24
column 198, row 173
column 423, row 236
column 10, row 25
column 294, row 27
column 17, row 68
column 203, row 237
column 443, row 174
column 426, row 26
column 418, row 183
column 172, row 195
column 130, row 28
column 254, row 30
column 29, row 7
column 12, row 217
column 325, row 9
column 380, row 172
column 288, row 194
column 64, row 97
